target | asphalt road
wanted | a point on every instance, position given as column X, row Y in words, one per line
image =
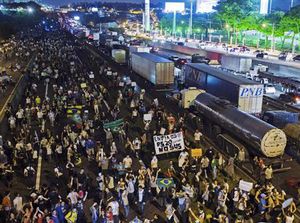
column 280, row 179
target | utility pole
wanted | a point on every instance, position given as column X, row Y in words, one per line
column 292, row 4
column 174, row 23
column 190, row 31
column 147, row 16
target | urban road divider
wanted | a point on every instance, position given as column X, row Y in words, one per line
column 280, row 105
column 240, row 171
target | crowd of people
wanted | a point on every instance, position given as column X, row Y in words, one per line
column 14, row 54
column 87, row 126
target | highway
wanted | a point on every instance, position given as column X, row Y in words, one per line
column 90, row 58
column 276, row 66
column 280, row 178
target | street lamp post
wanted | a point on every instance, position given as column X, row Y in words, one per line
column 174, row 23
column 190, row 21
column 273, row 38
column 292, row 4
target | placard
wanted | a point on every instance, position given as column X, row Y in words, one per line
column 168, row 143
column 133, row 84
column 162, row 131
column 147, row 117
column 287, row 203
column 108, row 73
column 121, row 84
column 245, row 186
column 83, row 85
column 196, row 153
column 91, row 76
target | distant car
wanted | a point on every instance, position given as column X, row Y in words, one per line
column 173, row 58
column 180, row 62
column 290, row 98
column 296, row 58
column 180, row 43
column 264, row 80
column 269, row 89
column 233, row 50
column 261, row 54
column 282, row 56
column 243, row 48
column 154, row 50
column 196, row 58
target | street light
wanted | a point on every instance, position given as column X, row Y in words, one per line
column 30, row 10
column 227, row 26
column 264, row 25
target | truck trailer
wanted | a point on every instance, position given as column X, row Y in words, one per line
column 156, row 69
column 221, row 117
column 236, row 63
column 245, row 94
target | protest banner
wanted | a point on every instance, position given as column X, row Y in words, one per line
column 115, row 125
column 168, row 143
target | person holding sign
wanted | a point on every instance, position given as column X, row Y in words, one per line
column 183, row 158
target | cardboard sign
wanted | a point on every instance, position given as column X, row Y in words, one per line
column 196, row 153
column 83, row 85
column 147, row 117
column 245, row 186
column 162, row 131
column 168, row 143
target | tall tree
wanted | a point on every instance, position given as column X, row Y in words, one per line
column 232, row 12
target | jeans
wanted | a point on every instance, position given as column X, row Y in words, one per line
column 126, row 208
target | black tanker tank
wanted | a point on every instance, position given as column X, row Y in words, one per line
column 259, row 135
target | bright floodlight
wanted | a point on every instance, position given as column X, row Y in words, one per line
column 77, row 18
column 30, row 10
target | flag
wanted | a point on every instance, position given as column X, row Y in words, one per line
column 115, row 125
column 165, row 182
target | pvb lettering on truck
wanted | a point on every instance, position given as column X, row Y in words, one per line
column 251, row 91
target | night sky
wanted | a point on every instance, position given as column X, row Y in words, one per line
column 277, row 4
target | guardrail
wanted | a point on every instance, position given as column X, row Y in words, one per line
column 280, row 105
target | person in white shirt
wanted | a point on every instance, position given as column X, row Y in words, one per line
column 136, row 146
column 73, row 196
column 183, row 158
column 154, row 163
column 197, row 137
column 127, row 161
column 18, row 203
column 115, row 210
